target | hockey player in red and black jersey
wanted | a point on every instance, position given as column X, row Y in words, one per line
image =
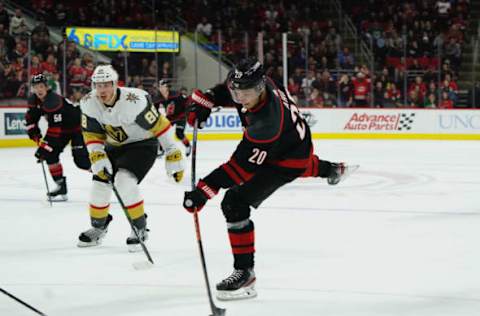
column 63, row 127
column 175, row 108
column 276, row 149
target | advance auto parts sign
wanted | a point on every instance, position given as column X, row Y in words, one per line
column 380, row 122
column 15, row 124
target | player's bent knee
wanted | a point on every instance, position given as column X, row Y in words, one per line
column 234, row 208
column 82, row 162
column 179, row 133
column 127, row 185
column 100, row 193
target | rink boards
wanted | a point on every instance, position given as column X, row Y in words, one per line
column 345, row 123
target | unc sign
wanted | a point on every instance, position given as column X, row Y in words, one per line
column 459, row 121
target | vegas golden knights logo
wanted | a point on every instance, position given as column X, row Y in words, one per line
column 117, row 133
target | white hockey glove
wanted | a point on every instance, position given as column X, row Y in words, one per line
column 100, row 164
column 175, row 164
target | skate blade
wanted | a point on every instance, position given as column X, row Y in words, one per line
column 240, row 294
column 58, row 198
column 134, row 248
column 142, row 265
column 83, row 244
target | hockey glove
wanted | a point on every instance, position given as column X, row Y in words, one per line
column 198, row 197
column 101, row 165
column 200, row 108
column 174, row 164
column 43, row 151
column 34, row 133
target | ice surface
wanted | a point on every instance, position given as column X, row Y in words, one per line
column 399, row 237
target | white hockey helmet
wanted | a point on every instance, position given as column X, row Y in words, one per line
column 104, row 73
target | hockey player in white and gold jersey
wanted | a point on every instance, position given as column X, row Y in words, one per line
column 121, row 128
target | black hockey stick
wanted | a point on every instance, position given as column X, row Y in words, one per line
column 46, row 182
column 215, row 310
column 22, row 302
column 137, row 265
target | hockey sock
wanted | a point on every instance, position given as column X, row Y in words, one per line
column 186, row 142
column 137, row 214
column 56, row 170
column 98, row 215
column 242, row 240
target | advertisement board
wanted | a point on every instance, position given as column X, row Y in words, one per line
column 103, row 39
column 324, row 123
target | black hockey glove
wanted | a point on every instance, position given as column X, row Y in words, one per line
column 34, row 133
column 198, row 197
column 200, row 108
column 43, row 151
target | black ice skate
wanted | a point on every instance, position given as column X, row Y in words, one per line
column 132, row 241
column 188, row 150
column 160, row 152
column 94, row 236
column 59, row 194
column 239, row 285
column 340, row 171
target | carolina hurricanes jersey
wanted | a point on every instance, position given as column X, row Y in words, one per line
column 62, row 116
column 275, row 135
column 175, row 107
column 132, row 118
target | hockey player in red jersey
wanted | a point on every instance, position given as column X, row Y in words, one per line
column 276, row 149
column 63, row 127
column 175, row 108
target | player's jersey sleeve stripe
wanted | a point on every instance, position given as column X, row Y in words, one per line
column 232, row 174
column 161, row 126
column 246, row 176
column 93, row 138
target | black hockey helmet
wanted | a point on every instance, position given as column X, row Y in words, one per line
column 247, row 74
column 38, row 78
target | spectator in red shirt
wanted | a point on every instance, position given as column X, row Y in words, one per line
column 77, row 74
column 446, row 102
column 50, row 65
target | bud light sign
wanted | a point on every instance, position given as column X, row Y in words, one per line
column 15, row 124
column 224, row 121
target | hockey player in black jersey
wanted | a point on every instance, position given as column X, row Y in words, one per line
column 175, row 108
column 63, row 127
column 276, row 149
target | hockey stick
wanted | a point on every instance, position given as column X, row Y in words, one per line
column 137, row 265
column 22, row 302
column 215, row 310
column 46, row 182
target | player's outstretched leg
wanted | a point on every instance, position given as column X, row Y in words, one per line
column 339, row 171
column 239, row 285
column 95, row 235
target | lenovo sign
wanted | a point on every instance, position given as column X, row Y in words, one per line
column 15, row 124
column 380, row 122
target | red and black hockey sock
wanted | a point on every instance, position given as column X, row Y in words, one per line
column 186, row 142
column 242, row 241
column 318, row 168
column 56, row 170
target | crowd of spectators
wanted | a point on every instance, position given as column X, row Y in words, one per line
column 18, row 64
column 417, row 46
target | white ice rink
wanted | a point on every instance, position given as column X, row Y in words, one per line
column 399, row 237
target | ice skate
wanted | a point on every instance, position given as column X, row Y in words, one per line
column 188, row 150
column 160, row 152
column 94, row 236
column 132, row 241
column 340, row 172
column 59, row 194
column 239, row 285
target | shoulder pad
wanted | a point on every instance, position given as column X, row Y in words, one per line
column 265, row 126
column 53, row 102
